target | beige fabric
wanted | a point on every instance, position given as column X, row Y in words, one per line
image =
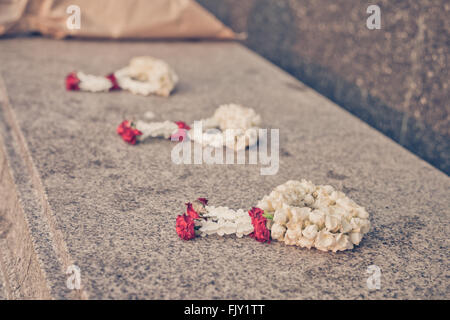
column 117, row 19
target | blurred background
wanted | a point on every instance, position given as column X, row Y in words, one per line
column 396, row 79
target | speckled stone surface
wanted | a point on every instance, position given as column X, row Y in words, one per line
column 3, row 294
column 396, row 78
column 110, row 208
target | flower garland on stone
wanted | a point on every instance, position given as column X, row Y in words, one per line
column 202, row 220
column 296, row 213
column 143, row 75
column 236, row 127
column 243, row 122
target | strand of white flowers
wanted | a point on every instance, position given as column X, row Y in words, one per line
column 125, row 81
column 144, row 76
column 225, row 221
column 93, row 83
column 147, row 75
column 156, row 129
column 315, row 216
column 235, row 138
column 232, row 125
column 235, row 116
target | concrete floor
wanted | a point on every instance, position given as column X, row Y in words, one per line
column 72, row 192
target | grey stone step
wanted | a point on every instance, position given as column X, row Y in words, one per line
column 76, row 194
column 3, row 290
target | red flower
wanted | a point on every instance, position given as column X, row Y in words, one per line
column 203, row 200
column 260, row 233
column 180, row 135
column 182, row 125
column 72, row 82
column 185, row 227
column 128, row 132
column 114, row 82
column 191, row 212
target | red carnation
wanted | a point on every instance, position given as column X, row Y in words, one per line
column 260, row 233
column 128, row 132
column 185, row 227
column 72, row 82
column 180, row 135
column 111, row 77
column 203, row 200
column 191, row 212
column 182, row 125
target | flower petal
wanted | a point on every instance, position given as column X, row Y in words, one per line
column 72, row 82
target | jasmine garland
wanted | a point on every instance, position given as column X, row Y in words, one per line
column 232, row 125
column 296, row 213
column 143, row 76
column 202, row 220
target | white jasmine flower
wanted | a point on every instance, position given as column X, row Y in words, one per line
column 309, row 200
column 360, row 225
column 332, row 223
column 226, row 227
column 355, row 237
column 236, row 128
column 281, row 216
column 244, row 226
column 292, row 235
column 265, row 204
column 328, row 189
column 303, row 212
column 325, row 240
column 317, row 217
column 147, row 75
column 335, row 195
column 234, row 116
column 208, row 227
column 296, row 215
column 346, row 226
column 345, row 202
column 362, row 213
column 305, row 242
column 277, row 231
column 310, row 232
column 342, row 243
column 277, row 203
